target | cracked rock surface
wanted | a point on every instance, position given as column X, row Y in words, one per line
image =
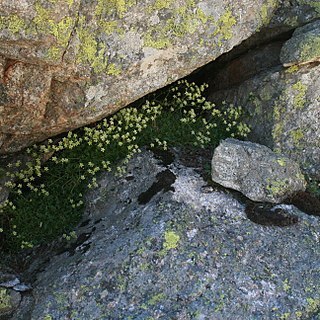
column 187, row 252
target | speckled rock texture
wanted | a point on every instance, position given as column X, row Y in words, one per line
column 158, row 244
column 303, row 47
column 282, row 104
column 256, row 171
column 64, row 64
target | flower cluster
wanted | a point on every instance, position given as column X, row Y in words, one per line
column 47, row 190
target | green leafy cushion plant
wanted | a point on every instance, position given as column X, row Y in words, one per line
column 47, row 197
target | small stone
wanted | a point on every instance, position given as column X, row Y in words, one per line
column 207, row 189
column 256, row 171
column 9, row 281
column 22, row 287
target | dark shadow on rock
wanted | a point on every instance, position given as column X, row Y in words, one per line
column 164, row 182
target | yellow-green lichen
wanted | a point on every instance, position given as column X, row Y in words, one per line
column 278, row 128
column 313, row 305
column 220, row 304
column 285, row 316
column 113, row 7
column 61, row 30
column 108, row 27
column 292, row 21
column 296, row 136
column 282, row 161
column 286, row 286
column 69, row 2
column 310, row 49
column 224, row 26
column 276, row 187
column 162, row 4
column 113, row 70
column 5, row 301
column 44, row 23
column 300, row 90
column 161, row 41
column 156, row 299
column 12, row 23
column 186, row 19
column 90, row 51
column 47, row 317
column 171, row 240
column 265, row 11
column 297, row 94
column 292, row 69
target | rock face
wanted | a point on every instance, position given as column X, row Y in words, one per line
column 64, row 64
column 157, row 243
column 282, row 103
column 303, row 47
column 256, row 171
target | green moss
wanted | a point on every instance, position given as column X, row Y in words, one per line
column 171, row 240
column 299, row 99
column 224, row 26
column 5, row 301
column 2, row 172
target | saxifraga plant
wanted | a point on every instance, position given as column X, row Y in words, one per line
column 46, row 198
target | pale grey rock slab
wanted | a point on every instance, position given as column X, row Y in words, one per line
column 184, row 254
column 256, row 171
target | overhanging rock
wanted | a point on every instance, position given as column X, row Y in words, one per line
column 64, row 64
